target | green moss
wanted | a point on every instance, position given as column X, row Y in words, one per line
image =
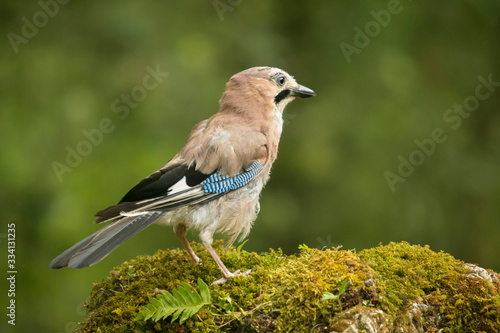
column 284, row 293
column 406, row 272
column 465, row 302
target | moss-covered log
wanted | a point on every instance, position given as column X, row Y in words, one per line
column 393, row 288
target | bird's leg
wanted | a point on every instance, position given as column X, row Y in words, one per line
column 180, row 232
column 226, row 274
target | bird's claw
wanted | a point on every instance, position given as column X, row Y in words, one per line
column 224, row 279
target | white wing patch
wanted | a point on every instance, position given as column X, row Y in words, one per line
column 133, row 213
column 180, row 186
column 177, row 193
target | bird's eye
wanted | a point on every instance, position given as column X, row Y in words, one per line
column 281, row 80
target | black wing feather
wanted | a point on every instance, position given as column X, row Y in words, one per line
column 156, row 185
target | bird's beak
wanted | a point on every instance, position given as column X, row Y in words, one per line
column 302, row 91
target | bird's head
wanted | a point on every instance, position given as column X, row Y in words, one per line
column 262, row 88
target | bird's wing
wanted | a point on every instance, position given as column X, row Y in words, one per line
column 159, row 185
column 213, row 156
column 178, row 186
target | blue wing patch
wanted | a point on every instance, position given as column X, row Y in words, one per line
column 221, row 184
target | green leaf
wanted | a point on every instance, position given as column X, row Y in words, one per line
column 226, row 303
column 131, row 271
column 305, row 248
column 183, row 303
column 343, row 286
column 327, row 295
column 204, row 291
column 238, row 249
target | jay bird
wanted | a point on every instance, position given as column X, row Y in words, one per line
column 213, row 184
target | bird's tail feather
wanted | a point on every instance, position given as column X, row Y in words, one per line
column 98, row 245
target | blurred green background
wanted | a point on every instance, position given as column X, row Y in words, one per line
column 66, row 67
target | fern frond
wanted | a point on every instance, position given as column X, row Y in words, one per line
column 183, row 302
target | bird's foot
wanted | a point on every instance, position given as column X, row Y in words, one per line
column 194, row 257
column 224, row 279
column 196, row 260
